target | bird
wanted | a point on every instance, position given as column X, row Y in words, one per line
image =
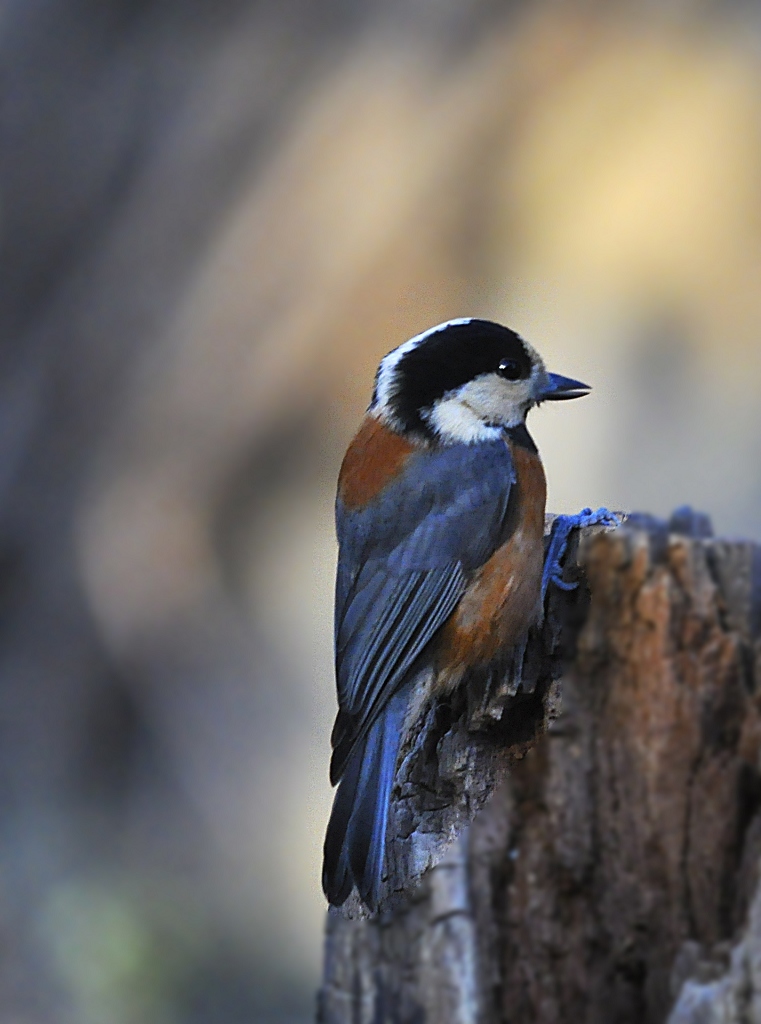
column 440, row 522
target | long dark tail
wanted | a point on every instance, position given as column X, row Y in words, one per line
column 356, row 838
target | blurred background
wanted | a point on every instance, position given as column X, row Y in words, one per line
column 215, row 217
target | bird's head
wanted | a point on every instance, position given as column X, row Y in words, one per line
column 465, row 381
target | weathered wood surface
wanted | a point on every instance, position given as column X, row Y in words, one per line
column 617, row 856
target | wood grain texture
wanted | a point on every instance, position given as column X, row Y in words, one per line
column 617, row 858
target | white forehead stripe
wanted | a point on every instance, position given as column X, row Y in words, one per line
column 389, row 363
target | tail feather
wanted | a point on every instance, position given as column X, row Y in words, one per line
column 356, row 838
column 337, row 880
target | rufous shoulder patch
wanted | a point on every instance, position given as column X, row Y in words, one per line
column 375, row 456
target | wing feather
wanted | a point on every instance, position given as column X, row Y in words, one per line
column 416, row 609
column 404, row 564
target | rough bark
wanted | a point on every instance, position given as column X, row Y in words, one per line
column 617, row 856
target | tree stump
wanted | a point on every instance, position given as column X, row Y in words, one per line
column 579, row 842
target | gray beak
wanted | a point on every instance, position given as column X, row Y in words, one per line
column 560, row 388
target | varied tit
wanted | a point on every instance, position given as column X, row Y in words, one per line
column 440, row 521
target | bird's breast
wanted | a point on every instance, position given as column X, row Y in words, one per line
column 503, row 598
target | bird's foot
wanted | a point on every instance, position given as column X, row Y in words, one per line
column 559, row 534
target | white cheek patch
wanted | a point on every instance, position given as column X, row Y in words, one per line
column 454, row 421
column 480, row 409
column 497, row 400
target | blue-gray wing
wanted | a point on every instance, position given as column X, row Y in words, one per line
column 404, row 563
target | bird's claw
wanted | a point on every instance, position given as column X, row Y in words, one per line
column 559, row 534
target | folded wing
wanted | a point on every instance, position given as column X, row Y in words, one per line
column 404, row 564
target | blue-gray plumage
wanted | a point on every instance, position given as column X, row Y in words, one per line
column 403, row 564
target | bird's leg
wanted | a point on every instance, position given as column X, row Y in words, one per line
column 559, row 534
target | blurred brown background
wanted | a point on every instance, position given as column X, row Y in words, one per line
column 215, row 217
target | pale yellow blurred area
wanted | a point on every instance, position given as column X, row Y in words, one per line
column 591, row 177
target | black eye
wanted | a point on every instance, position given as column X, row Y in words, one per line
column 509, row 369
